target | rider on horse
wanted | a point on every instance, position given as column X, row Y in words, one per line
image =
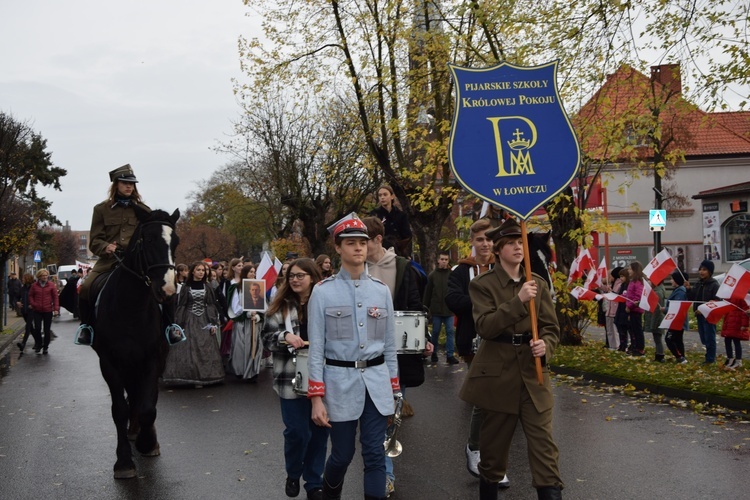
column 112, row 225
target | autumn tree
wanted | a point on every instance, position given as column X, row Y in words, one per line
column 199, row 241
column 25, row 164
column 65, row 247
column 299, row 163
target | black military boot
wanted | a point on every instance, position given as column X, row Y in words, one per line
column 487, row 489
column 549, row 493
column 332, row 492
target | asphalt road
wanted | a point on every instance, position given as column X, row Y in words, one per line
column 57, row 440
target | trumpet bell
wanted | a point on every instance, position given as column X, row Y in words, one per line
column 394, row 448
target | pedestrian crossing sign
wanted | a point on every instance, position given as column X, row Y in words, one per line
column 657, row 220
column 37, row 255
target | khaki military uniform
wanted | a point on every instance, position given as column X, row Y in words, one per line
column 110, row 223
column 502, row 379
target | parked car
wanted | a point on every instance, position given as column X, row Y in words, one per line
column 744, row 263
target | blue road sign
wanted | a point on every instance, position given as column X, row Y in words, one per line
column 37, row 255
column 512, row 143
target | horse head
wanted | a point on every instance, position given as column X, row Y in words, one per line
column 150, row 254
column 541, row 256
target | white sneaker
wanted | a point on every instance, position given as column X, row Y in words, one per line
column 736, row 364
column 472, row 461
column 390, row 487
column 505, row 483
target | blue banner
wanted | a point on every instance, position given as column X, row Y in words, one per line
column 512, row 143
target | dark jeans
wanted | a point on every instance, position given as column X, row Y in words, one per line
column 737, row 347
column 304, row 443
column 707, row 334
column 622, row 332
column 636, row 331
column 675, row 344
column 29, row 318
column 39, row 318
column 372, row 427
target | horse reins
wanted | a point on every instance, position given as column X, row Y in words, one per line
column 144, row 272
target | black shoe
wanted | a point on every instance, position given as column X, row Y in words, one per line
column 315, row 494
column 452, row 360
column 434, row 358
column 45, row 352
column 292, row 487
column 37, row 351
column 21, row 345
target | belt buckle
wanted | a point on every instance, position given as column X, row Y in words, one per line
column 517, row 339
column 360, row 364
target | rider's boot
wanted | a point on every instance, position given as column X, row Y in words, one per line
column 174, row 333
column 85, row 333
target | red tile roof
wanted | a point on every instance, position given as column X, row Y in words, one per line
column 624, row 99
column 737, row 189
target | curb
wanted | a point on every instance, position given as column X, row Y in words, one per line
column 732, row 404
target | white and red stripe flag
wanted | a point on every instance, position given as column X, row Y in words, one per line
column 582, row 263
column 583, row 294
column 614, row 297
column 736, row 284
column 660, row 267
column 676, row 314
column 714, row 311
column 649, row 300
column 268, row 270
column 601, row 273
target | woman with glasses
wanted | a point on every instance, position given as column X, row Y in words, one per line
column 246, row 355
column 284, row 332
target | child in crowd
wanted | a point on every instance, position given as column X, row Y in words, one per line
column 674, row 337
column 735, row 329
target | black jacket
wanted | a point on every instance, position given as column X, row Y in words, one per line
column 457, row 299
column 703, row 291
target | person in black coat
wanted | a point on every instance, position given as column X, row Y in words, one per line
column 705, row 291
column 395, row 221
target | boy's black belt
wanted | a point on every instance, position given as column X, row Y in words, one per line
column 365, row 363
column 515, row 339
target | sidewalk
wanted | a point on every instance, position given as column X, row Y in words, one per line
column 15, row 325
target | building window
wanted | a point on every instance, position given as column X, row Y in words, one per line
column 83, row 238
column 737, row 234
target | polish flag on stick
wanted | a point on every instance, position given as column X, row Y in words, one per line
column 583, row 294
column 714, row 311
column 649, row 299
column 268, row 270
column 614, row 297
column 660, row 267
column 736, row 284
column 601, row 273
column 676, row 314
column 582, row 263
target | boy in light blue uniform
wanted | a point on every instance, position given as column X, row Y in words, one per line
column 353, row 370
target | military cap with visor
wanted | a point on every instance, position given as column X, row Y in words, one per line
column 124, row 173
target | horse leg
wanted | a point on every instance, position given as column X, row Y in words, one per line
column 133, row 425
column 124, row 467
column 146, row 442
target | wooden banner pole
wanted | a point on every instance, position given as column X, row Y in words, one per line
column 532, row 305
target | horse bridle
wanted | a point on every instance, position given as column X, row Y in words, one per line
column 137, row 250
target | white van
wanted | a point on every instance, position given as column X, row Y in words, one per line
column 63, row 273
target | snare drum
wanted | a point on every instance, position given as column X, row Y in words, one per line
column 301, row 378
column 410, row 331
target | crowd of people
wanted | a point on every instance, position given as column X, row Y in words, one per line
column 340, row 325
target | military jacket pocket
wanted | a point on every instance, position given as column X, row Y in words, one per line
column 376, row 323
column 339, row 323
column 485, row 370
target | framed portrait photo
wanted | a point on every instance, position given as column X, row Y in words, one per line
column 254, row 295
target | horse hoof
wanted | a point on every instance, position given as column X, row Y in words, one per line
column 125, row 473
column 153, row 453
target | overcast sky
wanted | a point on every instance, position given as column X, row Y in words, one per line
column 108, row 83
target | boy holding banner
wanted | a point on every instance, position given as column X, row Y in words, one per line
column 502, row 379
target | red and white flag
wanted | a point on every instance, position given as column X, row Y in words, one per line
column 676, row 314
column 268, row 270
column 660, row 267
column 601, row 273
column 614, row 297
column 583, row 294
column 736, row 284
column 649, row 300
column 582, row 263
column 714, row 311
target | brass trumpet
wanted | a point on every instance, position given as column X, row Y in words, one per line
column 392, row 447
